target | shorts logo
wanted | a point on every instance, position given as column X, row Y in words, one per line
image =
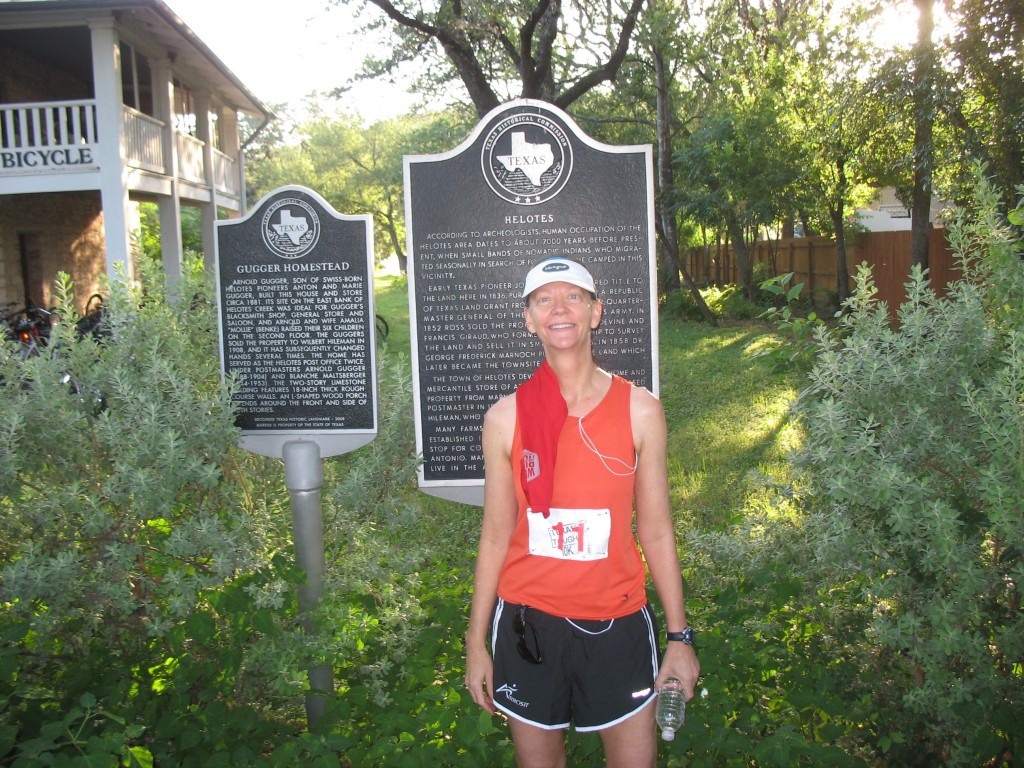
column 526, row 159
column 291, row 228
column 531, row 463
column 510, row 691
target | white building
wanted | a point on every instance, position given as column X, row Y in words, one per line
column 104, row 104
column 887, row 214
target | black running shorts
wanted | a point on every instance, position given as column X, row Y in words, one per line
column 591, row 674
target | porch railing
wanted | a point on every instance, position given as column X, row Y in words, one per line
column 143, row 144
column 58, row 135
column 46, row 136
column 190, row 158
column 225, row 173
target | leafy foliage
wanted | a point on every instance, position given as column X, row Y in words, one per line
column 727, row 302
column 982, row 92
column 548, row 51
column 914, row 457
column 799, row 329
column 357, row 168
column 148, row 595
column 149, row 239
column 122, row 544
column 863, row 612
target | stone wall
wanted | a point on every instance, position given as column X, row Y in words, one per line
column 65, row 232
column 24, row 79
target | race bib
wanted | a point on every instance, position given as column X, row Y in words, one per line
column 571, row 534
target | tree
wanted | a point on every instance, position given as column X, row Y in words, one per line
column 850, row 140
column 658, row 33
column 736, row 171
column 960, row 105
column 738, row 154
column 983, row 97
column 273, row 160
column 357, row 168
column 495, row 48
column 924, row 116
column 667, row 221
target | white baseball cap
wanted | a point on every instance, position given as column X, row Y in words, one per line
column 558, row 269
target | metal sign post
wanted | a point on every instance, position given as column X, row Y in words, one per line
column 303, row 476
column 296, row 321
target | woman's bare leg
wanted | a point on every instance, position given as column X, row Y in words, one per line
column 537, row 747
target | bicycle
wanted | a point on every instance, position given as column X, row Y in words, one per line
column 30, row 327
column 92, row 320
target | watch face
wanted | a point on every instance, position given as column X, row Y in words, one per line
column 688, row 635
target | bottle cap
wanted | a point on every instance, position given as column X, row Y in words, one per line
column 668, row 734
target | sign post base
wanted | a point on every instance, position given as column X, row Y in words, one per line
column 304, row 477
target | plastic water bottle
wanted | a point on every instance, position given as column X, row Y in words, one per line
column 671, row 708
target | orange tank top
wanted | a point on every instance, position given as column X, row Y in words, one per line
column 582, row 561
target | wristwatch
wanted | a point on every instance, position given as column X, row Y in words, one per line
column 686, row 636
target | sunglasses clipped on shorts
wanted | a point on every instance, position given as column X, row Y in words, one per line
column 527, row 634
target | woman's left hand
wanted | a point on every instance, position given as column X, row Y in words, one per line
column 680, row 661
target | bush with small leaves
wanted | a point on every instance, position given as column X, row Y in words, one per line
column 915, row 439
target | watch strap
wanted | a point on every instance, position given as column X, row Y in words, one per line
column 686, row 636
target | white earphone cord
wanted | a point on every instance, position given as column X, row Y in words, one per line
column 605, row 459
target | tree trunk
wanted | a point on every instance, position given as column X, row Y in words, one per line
column 396, row 243
column 742, row 255
column 837, row 210
column 671, row 264
column 670, row 249
column 924, row 103
column 391, row 226
column 842, row 271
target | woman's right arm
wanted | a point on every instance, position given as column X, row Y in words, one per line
column 500, row 508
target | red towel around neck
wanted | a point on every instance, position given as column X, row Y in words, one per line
column 542, row 412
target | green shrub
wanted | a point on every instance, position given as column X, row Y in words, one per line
column 799, row 327
column 682, row 306
column 730, row 302
column 727, row 302
column 148, row 610
column 915, row 438
column 770, row 644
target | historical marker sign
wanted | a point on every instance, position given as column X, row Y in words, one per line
column 526, row 184
column 295, row 301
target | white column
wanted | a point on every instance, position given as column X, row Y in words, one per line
column 228, row 120
column 204, row 132
column 170, row 207
column 106, row 75
column 231, row 146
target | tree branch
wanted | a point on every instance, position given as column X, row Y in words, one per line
column 545, row 18
column 611, row 69
column 459, row 52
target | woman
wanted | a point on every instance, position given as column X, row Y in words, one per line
column 559, row 590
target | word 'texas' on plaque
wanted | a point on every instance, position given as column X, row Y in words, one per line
column 525, row 185
column 296, row 317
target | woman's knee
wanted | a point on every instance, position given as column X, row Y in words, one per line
column 537, row 747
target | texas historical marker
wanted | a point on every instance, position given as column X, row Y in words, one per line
column 295, row 301
column 525, row 185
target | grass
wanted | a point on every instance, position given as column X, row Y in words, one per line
column 728, row 421
column 727, row 412
column 391, row 299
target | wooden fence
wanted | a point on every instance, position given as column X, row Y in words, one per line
column 813, row 260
